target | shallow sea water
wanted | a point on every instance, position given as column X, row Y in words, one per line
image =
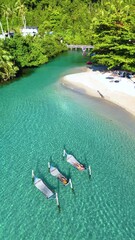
column 38, row 118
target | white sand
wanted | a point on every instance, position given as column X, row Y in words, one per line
column 90, row 82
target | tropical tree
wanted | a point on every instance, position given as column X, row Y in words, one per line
column 113, row 35
column 21, row 11
column 7, row 68
column 7, row 13
column 2, row 30
column 109, row 26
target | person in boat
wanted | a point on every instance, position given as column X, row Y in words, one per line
column 64, row 180
column 79, row 166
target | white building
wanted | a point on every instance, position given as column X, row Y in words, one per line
column 32, row 31
column 2, row 36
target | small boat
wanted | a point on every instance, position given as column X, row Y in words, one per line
column 72, row 160
column 42, row 187
column 55, row 172
column 39, row 184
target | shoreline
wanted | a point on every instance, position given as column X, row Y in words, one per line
column 105, row 85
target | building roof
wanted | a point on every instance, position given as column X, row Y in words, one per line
column 29, row 27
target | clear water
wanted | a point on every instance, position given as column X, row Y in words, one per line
column 38, row 117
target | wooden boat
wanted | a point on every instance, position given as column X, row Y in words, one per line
column 72, row 160
column 39, row 184
column 55, row 172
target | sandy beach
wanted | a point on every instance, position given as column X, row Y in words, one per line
column 104, row 84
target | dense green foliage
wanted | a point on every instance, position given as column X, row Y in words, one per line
column 114, row 36
column 26, row 52
column 32, row 51
column 7, row 67
column 109, row 26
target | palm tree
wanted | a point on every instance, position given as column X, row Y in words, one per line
column 2, row 30
column 21, row 10
column 7, row 68
column 7, row 12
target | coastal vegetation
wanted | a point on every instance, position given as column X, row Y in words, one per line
column 107, row 26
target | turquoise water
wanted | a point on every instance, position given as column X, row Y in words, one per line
column 38, row 117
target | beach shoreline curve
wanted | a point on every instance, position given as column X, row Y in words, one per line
column 103, row 84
